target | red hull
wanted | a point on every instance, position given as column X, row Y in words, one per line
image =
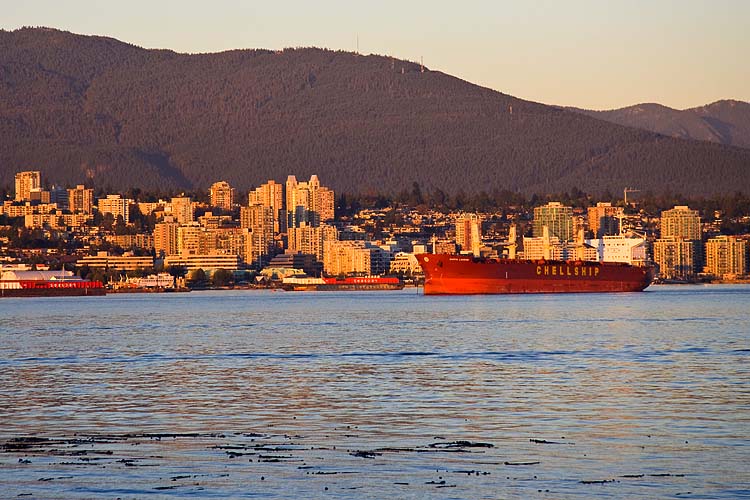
column 459, row 275
column 53, row 292
column 346, row 284
column 41, row 288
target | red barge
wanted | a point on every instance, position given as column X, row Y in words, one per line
column 365, row 283
column 47, row 284
column 463, row 275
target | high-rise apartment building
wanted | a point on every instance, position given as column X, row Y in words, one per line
column 116, row 205
column 59, row 196
column 354, row 257
column 297, row 201
column 39, row 195
column 311, row 239
column 222, row 195
column 322, row 200
column 308, row 202
column 196, row 241
column 165, row 238
column 271, row 195
column 259, row 219
column 182, row 209
column 676, row 258
column 726, row 256
column 233, row 241
column 469, row 233
column 557, row 217
column 190, row 240
column 604, row 219
column 545, row 248
column 81, row 199
column 681, row 222
column 25, row 183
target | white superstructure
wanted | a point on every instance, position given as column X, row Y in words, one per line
column 628, row 249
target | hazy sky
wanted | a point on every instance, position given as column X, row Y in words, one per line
column 597, row 54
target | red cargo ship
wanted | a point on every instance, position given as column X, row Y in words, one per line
column 460, row 274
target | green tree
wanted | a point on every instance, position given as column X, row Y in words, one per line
column 221, row 277
column 177, row 271
column 98, row 274
column 107, row 221
column 416, row 194
column 119, row 226
column 197, row 276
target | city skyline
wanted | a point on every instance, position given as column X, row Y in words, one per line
column 298, row 218
column 583, row 54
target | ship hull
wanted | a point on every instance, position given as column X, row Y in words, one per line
column 353, row 284
column 45, row 288
column 341, row 287
column 463, row 275
column 51, row 292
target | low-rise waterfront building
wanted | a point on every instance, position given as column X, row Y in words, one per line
column 120, row 262
column 295, row 260
column 208, row 262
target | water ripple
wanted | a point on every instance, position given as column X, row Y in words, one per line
column 378, row 395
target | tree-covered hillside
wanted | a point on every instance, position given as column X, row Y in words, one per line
column 96, row 110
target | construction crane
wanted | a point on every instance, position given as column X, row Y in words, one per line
column 629, row 190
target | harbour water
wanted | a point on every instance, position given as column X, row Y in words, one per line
column 260, row 394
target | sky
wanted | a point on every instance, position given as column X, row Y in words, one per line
column 595, row 54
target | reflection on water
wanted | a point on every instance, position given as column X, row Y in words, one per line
column 376, row 394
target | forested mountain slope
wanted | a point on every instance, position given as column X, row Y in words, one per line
column 96, row 110
column 725, row 122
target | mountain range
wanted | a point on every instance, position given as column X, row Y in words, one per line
column 113, row 115
column 725, row 122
